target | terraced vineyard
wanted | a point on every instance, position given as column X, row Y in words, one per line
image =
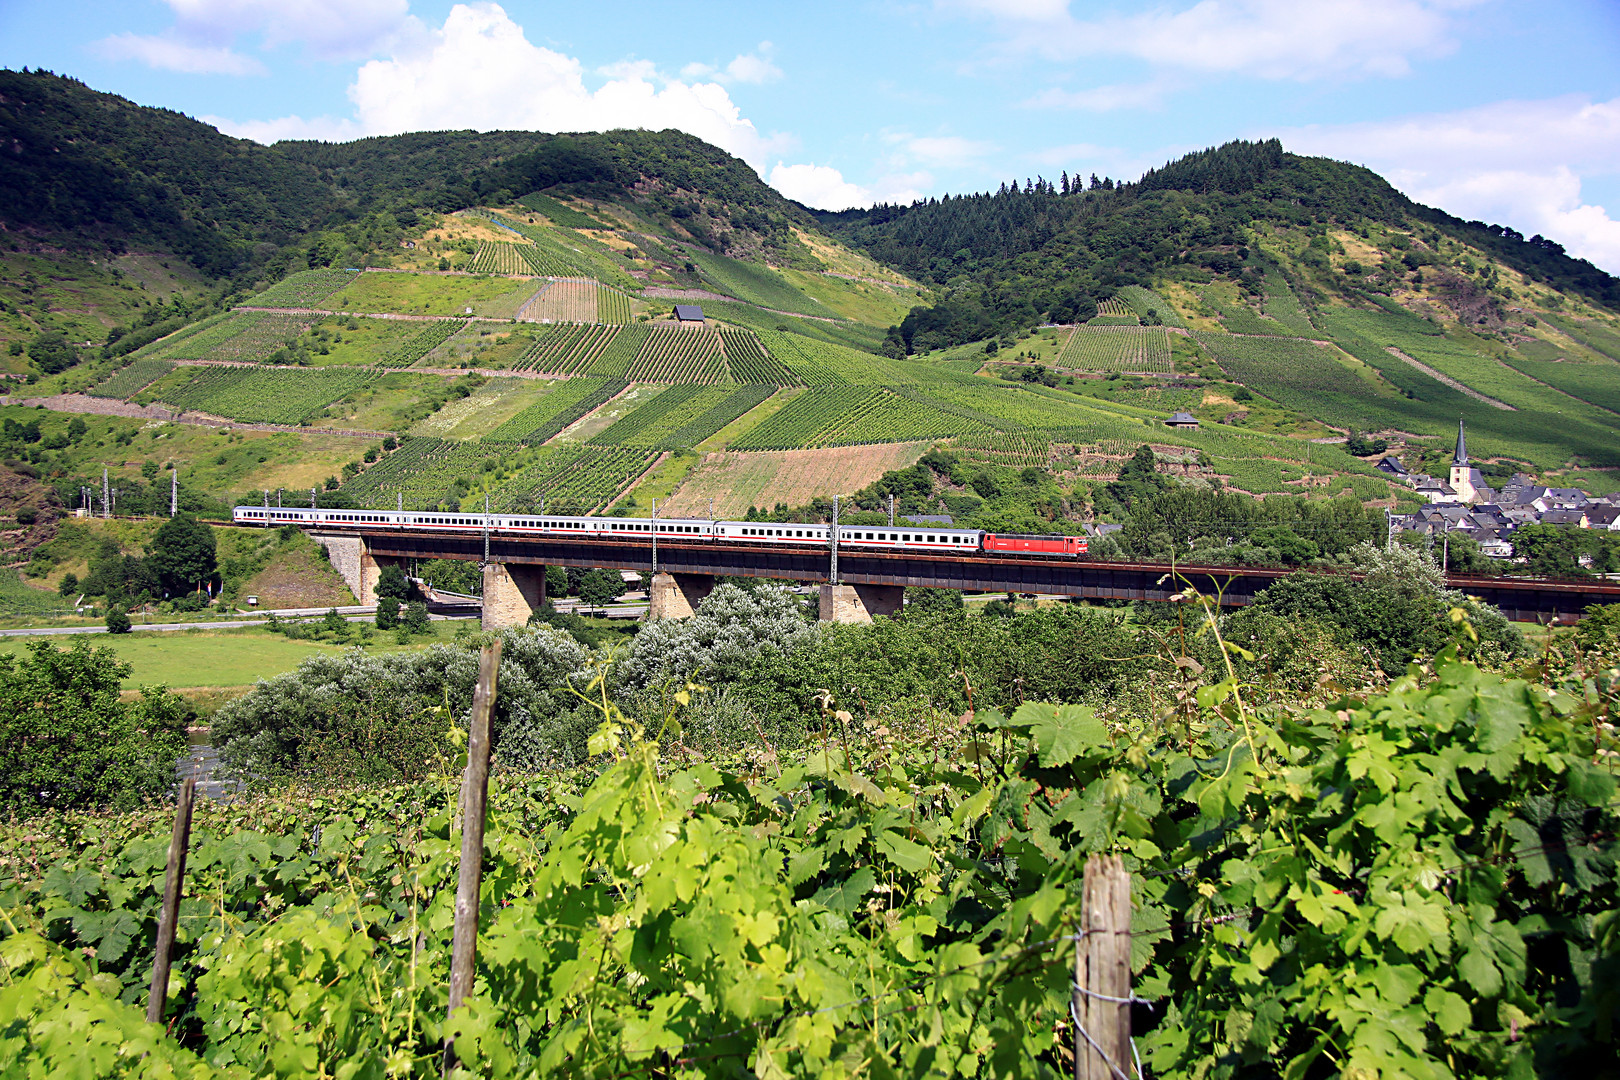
column 1017, row 449
column 1597, row 383
column 567, row 348
column 1297, row 374
column 1117, row 348
column 678, row 354
column 562, row 253
column 818, row 363
column 612, row 306
column 614, row 361
column 560, row 214
column 1588, row 332
column 737, row 402
column 1283, row 306
column 419, row 344
column 245, row 336
column 849, row 416
column 1113, row 312
column 683, row 416
column 1239, row 318
column 265, row 395
column 423, row 470
column 566, row 300
column 567, row 404
column 1147, row 303
column 1007, row 407
column 306, row 288
column 748, row 362
column 131, row 379
column 495, row 257
column 647, row 424
column 574, row 480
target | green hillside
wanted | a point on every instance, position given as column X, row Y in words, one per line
column 501, row 303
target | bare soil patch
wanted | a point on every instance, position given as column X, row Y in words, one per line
column 736, row 480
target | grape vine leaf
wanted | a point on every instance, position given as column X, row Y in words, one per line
column 843, row 896
column 1062, row 732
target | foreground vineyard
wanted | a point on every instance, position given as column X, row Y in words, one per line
column 905, row 900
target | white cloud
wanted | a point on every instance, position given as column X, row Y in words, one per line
column 755, row 67
column 324, row 128
column 1274, row 39
column 1517, row 163
column 629, row 69
column 480, row 71
column 820, row 186
column 204, row 31
column 946, row 150
column 1104, row 98
column 167, row 54
column 825, row 188
column 1030, row 10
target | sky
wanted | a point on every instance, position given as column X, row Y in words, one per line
column 1502, row 110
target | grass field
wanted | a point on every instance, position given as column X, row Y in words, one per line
column 417, row 294
column 185, row 658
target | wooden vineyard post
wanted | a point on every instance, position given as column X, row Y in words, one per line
column 1102, row 974
column 474, row 795
column 173, row 879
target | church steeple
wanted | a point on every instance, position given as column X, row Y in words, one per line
column 1461, row 456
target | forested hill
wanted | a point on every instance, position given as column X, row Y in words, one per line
column 1191, row 218
column 88, row 168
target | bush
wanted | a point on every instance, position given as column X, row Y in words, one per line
column 1399, row 609
column 382, row 719
column 67, row 741
column 731, row 629
column 387, row 613
column 416, row 618
column 117, row 621
column 27, row 515
column 921, row 600
column 69, row 584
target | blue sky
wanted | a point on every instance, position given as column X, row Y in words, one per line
column 1499, row 109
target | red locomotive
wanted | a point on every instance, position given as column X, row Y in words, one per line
column 1035, row 544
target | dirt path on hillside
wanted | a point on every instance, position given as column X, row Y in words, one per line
column 1449, row 381
column 370, row 314
column 490, row 373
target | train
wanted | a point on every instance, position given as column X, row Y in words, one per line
column 929, row 538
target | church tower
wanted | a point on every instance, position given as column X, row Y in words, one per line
column 1462, row 474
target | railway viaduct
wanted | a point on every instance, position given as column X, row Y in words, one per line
column 868, row 582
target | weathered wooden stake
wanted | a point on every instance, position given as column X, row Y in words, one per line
column 1102, row 974
column 170, row 915
column 474, row 795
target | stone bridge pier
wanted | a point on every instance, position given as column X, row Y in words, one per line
column 355, row 563
column 512, row 592
column 675, row 596
column 859, row 603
